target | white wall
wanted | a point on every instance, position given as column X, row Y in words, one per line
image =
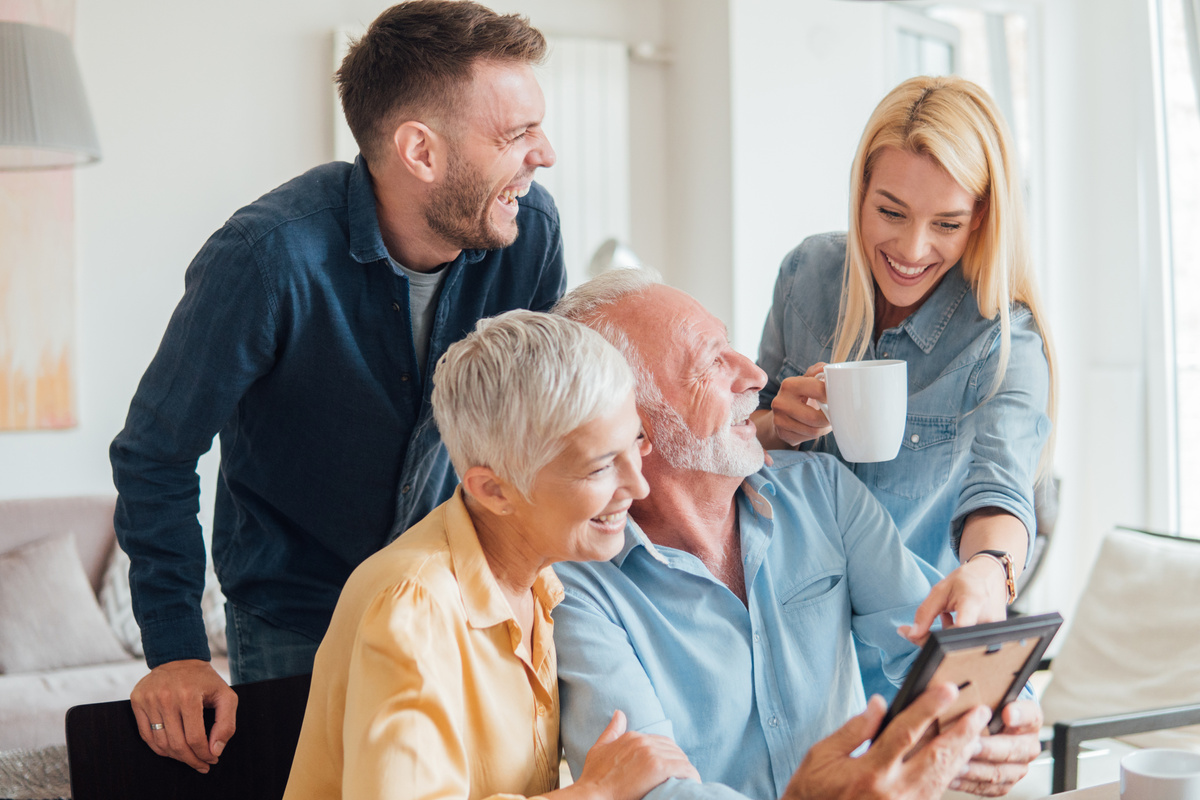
column 200, row 109
column 741, row 147
column 794, row 133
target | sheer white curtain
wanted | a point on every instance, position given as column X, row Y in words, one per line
column 1191, row 19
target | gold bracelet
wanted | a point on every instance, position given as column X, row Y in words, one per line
column 1005, row 560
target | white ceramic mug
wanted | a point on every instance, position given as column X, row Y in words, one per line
column 1159, row 773
column 867, row 405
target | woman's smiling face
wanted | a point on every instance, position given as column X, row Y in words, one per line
column 578, row 505
column 915, row 223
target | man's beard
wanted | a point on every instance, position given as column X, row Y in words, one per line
column 459, row 210
column 723, row 453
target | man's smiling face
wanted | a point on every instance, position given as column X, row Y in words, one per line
column 707, row 388
column 493, row 153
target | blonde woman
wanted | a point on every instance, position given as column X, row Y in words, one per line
column 935, row 270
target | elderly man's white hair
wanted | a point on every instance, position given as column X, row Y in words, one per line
column 507, row 396
column 587, row 303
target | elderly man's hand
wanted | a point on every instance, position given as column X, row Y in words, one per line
column 891, row 768
column 1004, row 758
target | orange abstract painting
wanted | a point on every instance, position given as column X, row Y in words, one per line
column 37, row 275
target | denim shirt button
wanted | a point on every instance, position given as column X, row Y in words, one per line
column 407, row 488
column 914, row 438
column 395, row 306
column 405, row 377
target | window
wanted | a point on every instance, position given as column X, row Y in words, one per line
column 991, row 48
column 1180, row 37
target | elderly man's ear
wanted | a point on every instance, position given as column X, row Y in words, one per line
column 487, row 489
column 420, row 151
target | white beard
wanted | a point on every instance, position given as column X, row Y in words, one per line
column 723, row 453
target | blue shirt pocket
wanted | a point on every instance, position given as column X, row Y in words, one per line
column 812, row 591
column 925, row 458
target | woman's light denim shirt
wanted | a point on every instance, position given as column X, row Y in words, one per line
column 962, row 450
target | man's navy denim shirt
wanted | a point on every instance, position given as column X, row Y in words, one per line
column 293, row 341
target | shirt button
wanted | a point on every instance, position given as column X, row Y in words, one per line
column 757, row 638
column 887, row 355
column 395, row 306
column 407, row 488
column 405, row 378
column 774, row 722
column 914, row 438
column 541, row 710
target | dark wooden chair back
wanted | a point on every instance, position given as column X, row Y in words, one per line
column 109, row 760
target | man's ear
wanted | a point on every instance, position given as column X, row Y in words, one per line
column 419, row 150
column 489, row 490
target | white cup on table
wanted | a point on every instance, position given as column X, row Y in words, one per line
column 867, row 405
column 1160, row 773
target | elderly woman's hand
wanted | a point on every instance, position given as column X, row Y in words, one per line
column 625, row 765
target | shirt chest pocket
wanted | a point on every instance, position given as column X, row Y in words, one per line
column 925, row 459
column 813, row 591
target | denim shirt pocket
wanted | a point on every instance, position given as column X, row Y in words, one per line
column 788, row 369
column 812, row 591
column 925, row 458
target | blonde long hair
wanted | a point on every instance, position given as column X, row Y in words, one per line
column 954, row 122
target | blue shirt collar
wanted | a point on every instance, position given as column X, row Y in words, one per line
column 752, row 490
column 366, row 240
column 926, row 324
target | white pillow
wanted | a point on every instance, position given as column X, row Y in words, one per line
column 1134, row 641
column 117, row 602
column 48, row 614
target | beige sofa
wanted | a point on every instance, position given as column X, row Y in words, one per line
column 34, row 702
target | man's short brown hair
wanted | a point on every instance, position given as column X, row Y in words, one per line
column 416, row 59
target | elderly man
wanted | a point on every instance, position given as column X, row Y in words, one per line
column 725, row 622
column 307, row 332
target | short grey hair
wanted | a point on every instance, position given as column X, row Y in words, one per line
column 587, row 304
column 507, row 396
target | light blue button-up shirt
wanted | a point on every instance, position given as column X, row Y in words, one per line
column 744, row 690
column 964, row 448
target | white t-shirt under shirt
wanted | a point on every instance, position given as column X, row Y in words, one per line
column 424, row 288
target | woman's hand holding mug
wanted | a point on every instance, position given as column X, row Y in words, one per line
column 796, row 408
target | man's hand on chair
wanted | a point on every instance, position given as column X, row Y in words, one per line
column 169, row 705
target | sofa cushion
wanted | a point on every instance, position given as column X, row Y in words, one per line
column 117, row 603
column 48, row 614
column 90, row 518
column 1134, row 640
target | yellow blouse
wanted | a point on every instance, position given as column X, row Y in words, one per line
column 422, row 687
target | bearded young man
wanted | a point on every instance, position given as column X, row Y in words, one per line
column 306, row 336
column 726, row 621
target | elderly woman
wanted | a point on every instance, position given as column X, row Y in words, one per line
column 437, row 677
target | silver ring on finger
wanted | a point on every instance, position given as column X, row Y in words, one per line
column 156, row 726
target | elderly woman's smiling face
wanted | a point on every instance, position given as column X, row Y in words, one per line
column 578, row 505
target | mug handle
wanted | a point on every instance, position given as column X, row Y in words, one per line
column 823, row 406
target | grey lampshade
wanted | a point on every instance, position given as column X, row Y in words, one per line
column 44, row 117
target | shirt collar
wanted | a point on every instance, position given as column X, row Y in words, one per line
column 366, row 240
column 926, row 324
column 752, row 489
column 484, row 603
